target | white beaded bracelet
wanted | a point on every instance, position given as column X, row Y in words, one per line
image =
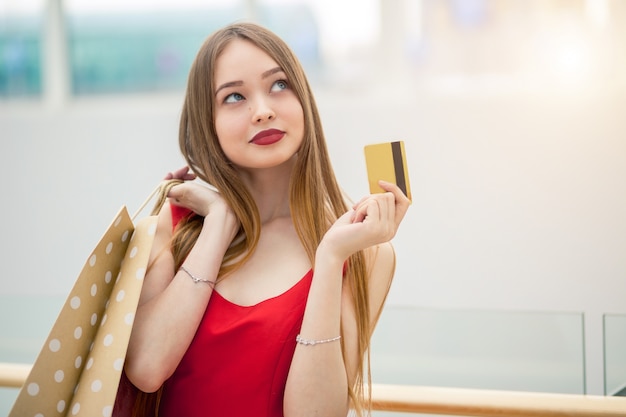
column 197, row 280
column 308, row 342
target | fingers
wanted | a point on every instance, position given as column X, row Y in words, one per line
column 373, row 220
column 378, row 213
column 177, row 193
column 402, row 202
column 387, row 209
column 188, row 195
column 367, row 209
column 183, row 173
column 194, row 196
column 395, row 190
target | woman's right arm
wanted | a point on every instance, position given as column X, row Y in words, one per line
column 171, row 305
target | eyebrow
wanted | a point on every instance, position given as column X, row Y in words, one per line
column 271, row 72
column 264, row 75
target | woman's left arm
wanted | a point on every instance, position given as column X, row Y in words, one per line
column 318, row 378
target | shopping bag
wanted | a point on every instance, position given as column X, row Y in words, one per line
column 78, row 369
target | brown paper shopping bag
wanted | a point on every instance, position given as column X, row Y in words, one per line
column 78, row 370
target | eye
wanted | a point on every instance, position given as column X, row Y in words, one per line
column 279, row 85
column 233, row 98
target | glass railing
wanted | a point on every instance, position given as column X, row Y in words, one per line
column 24, row 325
column 518, row 351
column 615, row 354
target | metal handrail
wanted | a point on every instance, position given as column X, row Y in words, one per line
column 448, row 401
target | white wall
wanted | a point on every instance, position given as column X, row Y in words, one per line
column 519, row 200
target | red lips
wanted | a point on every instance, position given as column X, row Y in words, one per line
column 267, row 137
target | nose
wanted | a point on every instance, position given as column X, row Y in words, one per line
column 264, row 116
column 262, row 112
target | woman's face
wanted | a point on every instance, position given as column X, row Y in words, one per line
column 258, row 118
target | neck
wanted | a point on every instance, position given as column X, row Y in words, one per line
column 270, row 190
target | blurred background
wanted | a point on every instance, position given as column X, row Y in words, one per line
column 511, row 268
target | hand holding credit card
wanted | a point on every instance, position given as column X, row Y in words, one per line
column 387, row 161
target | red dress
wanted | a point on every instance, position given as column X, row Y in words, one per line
column 238, row 361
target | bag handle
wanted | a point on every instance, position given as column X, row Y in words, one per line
column 161, row 193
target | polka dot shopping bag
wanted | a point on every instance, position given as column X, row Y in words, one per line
column 78, row 370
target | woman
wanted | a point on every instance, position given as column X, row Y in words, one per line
column 263, row 291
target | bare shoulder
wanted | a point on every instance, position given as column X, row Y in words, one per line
column 381, row 263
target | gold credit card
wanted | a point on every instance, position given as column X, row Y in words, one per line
column 387, row 162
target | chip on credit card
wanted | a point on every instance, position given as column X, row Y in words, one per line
column 387, row 161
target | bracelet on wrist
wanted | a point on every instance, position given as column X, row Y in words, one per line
column 197, row 280
column 307, row 342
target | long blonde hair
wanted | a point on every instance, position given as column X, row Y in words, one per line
column 315, row 198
